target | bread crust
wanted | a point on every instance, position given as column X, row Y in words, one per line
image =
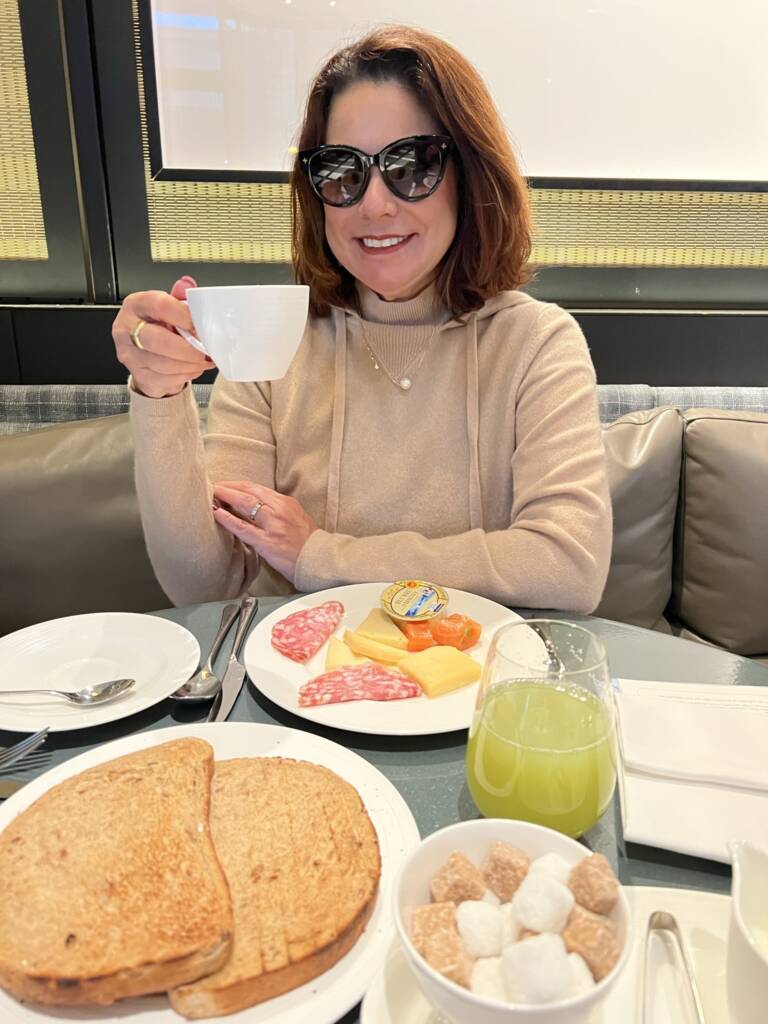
column 111, row 883
column 304, row 880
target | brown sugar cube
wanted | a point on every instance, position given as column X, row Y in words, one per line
column 594, row 884
column 436, row 937
column 457, row 880
column 594, row 938
column 504, row 869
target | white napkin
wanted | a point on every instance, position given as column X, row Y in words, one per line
column 695, row 769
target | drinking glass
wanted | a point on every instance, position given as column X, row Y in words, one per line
column 542, row 744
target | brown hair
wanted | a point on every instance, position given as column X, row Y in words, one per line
column 492, row 244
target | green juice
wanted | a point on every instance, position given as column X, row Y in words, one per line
column 542, row 753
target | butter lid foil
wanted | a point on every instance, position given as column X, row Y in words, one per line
column 414, row 600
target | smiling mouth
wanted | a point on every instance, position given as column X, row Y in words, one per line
column 379, row 245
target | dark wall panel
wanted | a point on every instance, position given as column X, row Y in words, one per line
column 675, row 349
column 73, row 345
column 9, row 363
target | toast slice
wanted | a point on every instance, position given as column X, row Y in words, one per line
column 302, row 861
column 111, row 886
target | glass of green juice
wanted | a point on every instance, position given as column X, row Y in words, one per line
column 542, row 744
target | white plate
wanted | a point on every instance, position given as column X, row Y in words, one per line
column 279, row 678
column 80, row 650
column 395, row 998
column 329, row 996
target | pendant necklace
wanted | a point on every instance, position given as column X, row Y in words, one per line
column 404, row 381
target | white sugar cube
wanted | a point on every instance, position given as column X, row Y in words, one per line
column 581, row 976
column 480, row 927
column 489, row 896
column 542, row 903
column 510, row 927
column 537, row 970
column 487, row 978
column 552, row 864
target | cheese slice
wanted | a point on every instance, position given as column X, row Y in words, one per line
column 339, row 654
column 373, row 649
column 379, row 627
column 440, row 670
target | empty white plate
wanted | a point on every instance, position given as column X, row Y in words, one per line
column 80, row 650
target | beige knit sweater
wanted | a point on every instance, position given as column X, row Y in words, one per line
column 488, row 474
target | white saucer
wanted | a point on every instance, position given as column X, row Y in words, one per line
column 395, row 998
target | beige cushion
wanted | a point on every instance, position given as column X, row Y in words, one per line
column 721, row 578
column 71, row 537
column 643, row 451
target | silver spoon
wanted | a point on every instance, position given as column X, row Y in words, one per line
column 205, row 684
column 556, row 666
column 662, row 921
column 98, row 694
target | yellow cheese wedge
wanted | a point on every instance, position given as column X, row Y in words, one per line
column 440, row 670
column 372, row 649
column 339, row 654
column 379, row 627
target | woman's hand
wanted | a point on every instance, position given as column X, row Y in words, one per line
column 274, row 525
column 163, row 362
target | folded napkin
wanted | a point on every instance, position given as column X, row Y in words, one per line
column 695, row 771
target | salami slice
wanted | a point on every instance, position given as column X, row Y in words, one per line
column 366, row 681
column 302, row 634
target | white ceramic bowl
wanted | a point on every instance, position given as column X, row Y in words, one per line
column 474, row 839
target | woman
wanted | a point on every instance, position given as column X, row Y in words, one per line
column 435, row 422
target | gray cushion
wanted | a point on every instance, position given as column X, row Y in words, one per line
column 71, row 539
column 643, row 451
column 30, row 406
column 721, row 577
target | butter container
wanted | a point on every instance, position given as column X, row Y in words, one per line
column 414, row 600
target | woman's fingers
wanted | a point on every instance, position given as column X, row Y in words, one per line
column 157, row 338
column 161, row 361
column 244, row 529
column 244, row 502
column 179, row 289
column 158, row 306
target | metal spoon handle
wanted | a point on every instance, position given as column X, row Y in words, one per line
column 248, row 607
column 228, row 616
column 660, row 920
column 66, row 694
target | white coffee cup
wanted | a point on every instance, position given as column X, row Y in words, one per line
column 251, row 332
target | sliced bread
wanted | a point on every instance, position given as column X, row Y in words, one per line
column 302, row 861
column 111, row 886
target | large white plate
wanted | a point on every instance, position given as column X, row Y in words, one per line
column 71, row 653
column 279, row 678
column 329, row 996
column 395, row 998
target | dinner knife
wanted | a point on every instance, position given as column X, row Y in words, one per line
column 234, row 677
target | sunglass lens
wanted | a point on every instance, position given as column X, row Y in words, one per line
column 337, row 175
column 413, row 168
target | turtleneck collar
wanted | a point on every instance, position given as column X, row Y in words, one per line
column 424, row 308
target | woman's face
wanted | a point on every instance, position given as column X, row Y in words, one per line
column 369, row 116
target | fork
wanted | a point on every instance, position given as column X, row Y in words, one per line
column 11, row 755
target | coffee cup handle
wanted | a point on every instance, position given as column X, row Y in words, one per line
column 193, row 341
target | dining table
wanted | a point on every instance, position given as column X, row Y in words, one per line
column 429, row 771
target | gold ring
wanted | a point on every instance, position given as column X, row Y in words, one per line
column 136, row 332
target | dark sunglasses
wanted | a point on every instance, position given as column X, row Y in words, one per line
column 412, row 169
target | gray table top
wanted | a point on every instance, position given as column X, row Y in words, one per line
column 429, row 771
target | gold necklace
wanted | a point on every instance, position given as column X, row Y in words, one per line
column 404, row 382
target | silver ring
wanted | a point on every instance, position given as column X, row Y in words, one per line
column 255, row 511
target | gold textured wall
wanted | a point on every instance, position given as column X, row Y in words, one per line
column 22, row 230
column 245, row 222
